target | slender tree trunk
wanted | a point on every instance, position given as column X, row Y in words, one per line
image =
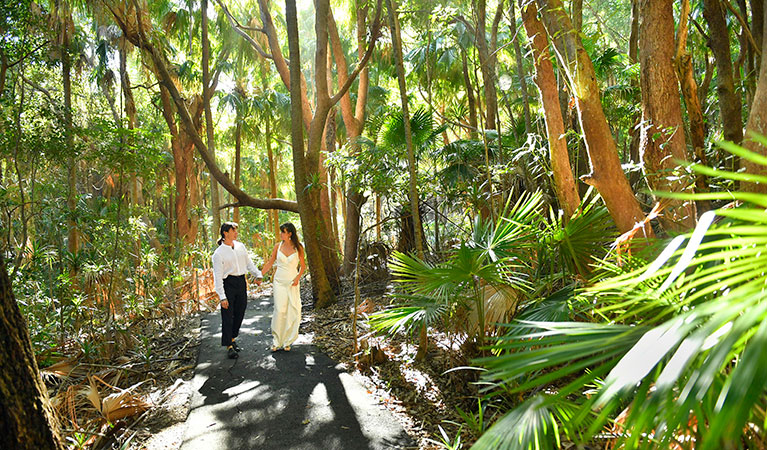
column 757, row 27
column 320, row 284
column 73, row 241
column 606, row 173
column 757, row 124
column 237, row 163
column 274, row 214
column 414, row 207
column 378, row 216
column 520, row 66
column 487, row 65
column 577, row 14
column 27, row 420
column 354, row 121
column 719, row 42
column 662, row 140
column 684, row 71
column 328, row 192
column 210, row 131
column 470, row 97
column 634, row 35
column 564, row 181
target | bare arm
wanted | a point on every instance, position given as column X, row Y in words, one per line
column 302, row 269
column 268, row 265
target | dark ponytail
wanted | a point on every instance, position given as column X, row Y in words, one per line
column 226, row 226
column 290, row 228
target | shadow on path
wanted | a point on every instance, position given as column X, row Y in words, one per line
column 283, row 400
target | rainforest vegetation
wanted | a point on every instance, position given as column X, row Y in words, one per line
column 565, row 196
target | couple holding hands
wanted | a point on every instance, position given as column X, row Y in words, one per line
column 230, row 263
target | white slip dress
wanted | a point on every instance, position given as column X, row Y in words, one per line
column 287, row 300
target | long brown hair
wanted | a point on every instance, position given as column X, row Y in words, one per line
column 290, row 228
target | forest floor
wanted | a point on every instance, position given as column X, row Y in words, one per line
column 419, row 393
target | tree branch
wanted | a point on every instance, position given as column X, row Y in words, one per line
column 140, row 40
column 375, row 28
column 239, row 29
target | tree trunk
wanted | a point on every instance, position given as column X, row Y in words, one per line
column 662, row 141
column 354, row 121
column 182, row 153
column 27, row 421
column 73, row 240
column 520, row 66
column 215, row 209
column 237, row 164
column 564, row 181
column 634, row 35
column 473, row 123
column 757, row 124
column 413, row 171
column 606, row 173
column 577, row 14
column 320, row 283
column 487, row 65
column 757, row 28
column 684, row 71
column 719, row 42
column 274, row 214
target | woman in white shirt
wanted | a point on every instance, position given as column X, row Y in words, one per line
column 230, row 262
column 288, row 258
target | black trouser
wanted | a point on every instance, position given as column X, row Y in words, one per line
column 231, row 318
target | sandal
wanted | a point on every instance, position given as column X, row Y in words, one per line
column 287, row 348
column 274, row 349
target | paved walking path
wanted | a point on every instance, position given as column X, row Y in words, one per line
column 284, row 400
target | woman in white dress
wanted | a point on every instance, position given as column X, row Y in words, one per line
column 288, row 259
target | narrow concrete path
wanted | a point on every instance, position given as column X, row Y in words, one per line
column 283, row 400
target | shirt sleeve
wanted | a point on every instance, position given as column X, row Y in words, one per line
column 218, row 275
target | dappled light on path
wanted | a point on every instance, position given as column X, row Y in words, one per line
column 283, row 400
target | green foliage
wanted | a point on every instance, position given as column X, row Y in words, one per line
column 678, row 348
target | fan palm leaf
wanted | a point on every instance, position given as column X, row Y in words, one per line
column 683, row 344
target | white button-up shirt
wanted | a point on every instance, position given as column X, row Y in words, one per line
column 231, row 261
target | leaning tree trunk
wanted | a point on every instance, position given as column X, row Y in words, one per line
column 564, row 181
column 719, row 41
column 320, row 283
column 27, row 421
column 662, row 142
column 606, row 173
column 757, row 124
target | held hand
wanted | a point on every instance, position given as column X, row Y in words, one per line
column 259, row 281
column 295, row 282
column 225, row 304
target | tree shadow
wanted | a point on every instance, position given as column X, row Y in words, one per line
column 282, row 400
